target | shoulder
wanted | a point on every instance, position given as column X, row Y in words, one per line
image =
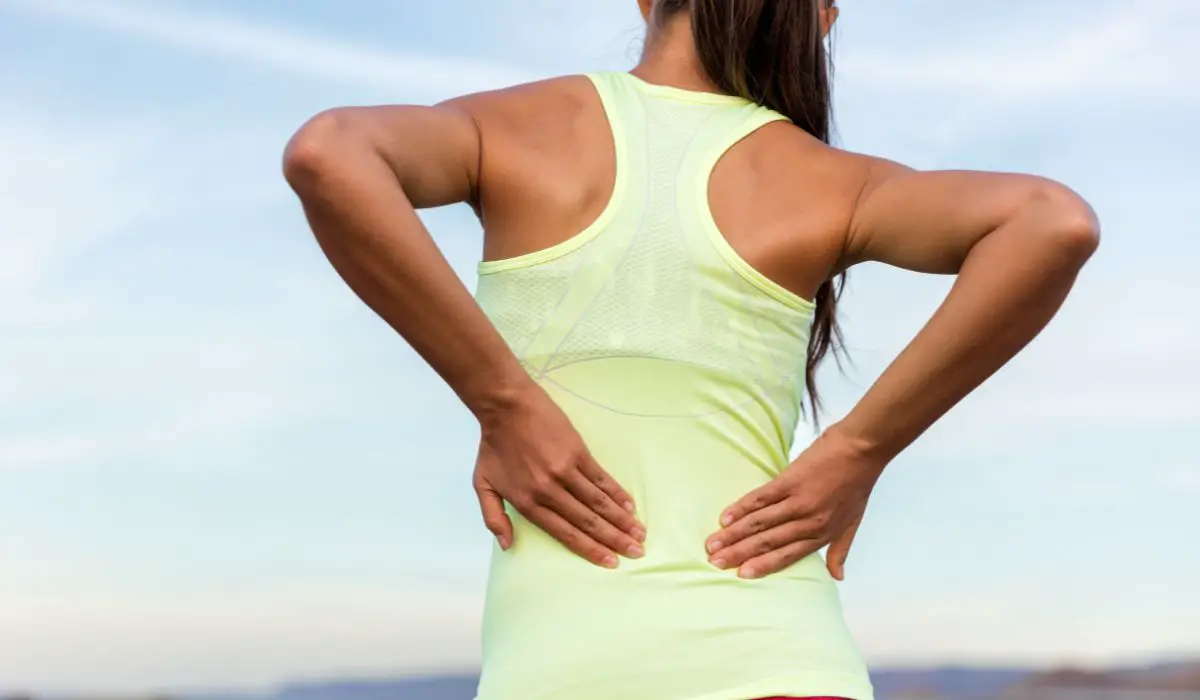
column 811, row 188
column 538, row 141
column 808, row 172
column 799, row 156
column 540, row 103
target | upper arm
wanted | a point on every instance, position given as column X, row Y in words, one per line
column 928, row 221
column 433, row 152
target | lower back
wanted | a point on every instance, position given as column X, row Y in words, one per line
column 669, row 625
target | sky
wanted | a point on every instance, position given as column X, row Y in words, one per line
column 217, row 469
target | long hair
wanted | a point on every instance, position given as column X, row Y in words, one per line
column 772, row 52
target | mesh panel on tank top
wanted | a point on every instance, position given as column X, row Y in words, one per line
column 663, row 289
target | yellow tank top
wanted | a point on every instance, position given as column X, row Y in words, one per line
column 682, row 367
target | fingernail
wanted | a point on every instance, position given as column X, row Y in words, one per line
column 714, row 546
column 636, row 552
column 747, row 572
column 727, row 520
column 719, row 563
column 629, row 506
column 639, row 534
column 610, row 561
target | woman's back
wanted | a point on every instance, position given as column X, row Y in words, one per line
column 547, row 171
column 681, row 365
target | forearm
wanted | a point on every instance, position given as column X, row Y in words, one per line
column 1009, row 287
column 369, row 229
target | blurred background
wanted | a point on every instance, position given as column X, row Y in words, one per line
column 221, row 478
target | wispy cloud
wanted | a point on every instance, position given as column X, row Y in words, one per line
column 98, row 360
column 247, row 640
column 1110, row 365
column 926, row 103
column 62, row 189
column 1117, row 53
column 1183, row 476
column 216, row 418
column 978, row 628
column 234, row 38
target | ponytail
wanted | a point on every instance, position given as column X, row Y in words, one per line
column 772, row 52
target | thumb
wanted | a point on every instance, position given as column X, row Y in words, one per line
column 839, row 550
column 494, row 517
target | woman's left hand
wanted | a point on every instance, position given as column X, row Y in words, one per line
column 818, row 500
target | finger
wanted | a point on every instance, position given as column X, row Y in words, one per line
column 759, row 498
column 579, row 516
column 835, row 559
column 754, row 523
column 763, row 543
column 572, row 537
column 603, row 481
column 494, row 517
column 592, row 497
column 779, row 559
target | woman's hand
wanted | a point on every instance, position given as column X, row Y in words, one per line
column 531, row 456
column 818, row 500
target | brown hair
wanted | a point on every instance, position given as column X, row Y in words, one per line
column 772, row 52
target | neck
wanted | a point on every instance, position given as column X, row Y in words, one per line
column 670, row 57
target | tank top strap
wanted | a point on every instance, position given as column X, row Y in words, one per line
column 618, row 223
column 626, row 120
column 726, row 130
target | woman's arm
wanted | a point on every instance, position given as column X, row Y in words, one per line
column 361, row 173
column 1016, row 243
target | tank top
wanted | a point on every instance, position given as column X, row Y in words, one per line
column 682, row 368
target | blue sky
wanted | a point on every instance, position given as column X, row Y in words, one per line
column 216, row 468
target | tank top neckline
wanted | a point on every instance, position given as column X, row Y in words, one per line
column 683, row 94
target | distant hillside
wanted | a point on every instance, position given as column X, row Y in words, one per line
column 956, row 683
column 1164, row 677
column 443, row 687
column 1180, row 680
column 959, row 683
column 431, row 688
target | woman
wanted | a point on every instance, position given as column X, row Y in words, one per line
column 662, row 252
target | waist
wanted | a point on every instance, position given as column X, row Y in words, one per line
column 669, row 626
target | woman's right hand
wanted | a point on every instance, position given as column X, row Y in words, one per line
column 531, row 456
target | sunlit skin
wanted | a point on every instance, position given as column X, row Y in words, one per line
column 536, row 163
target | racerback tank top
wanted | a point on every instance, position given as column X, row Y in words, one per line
column 682, row 368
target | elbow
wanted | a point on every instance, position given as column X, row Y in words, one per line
column 1069, row 222
column 315, row 149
